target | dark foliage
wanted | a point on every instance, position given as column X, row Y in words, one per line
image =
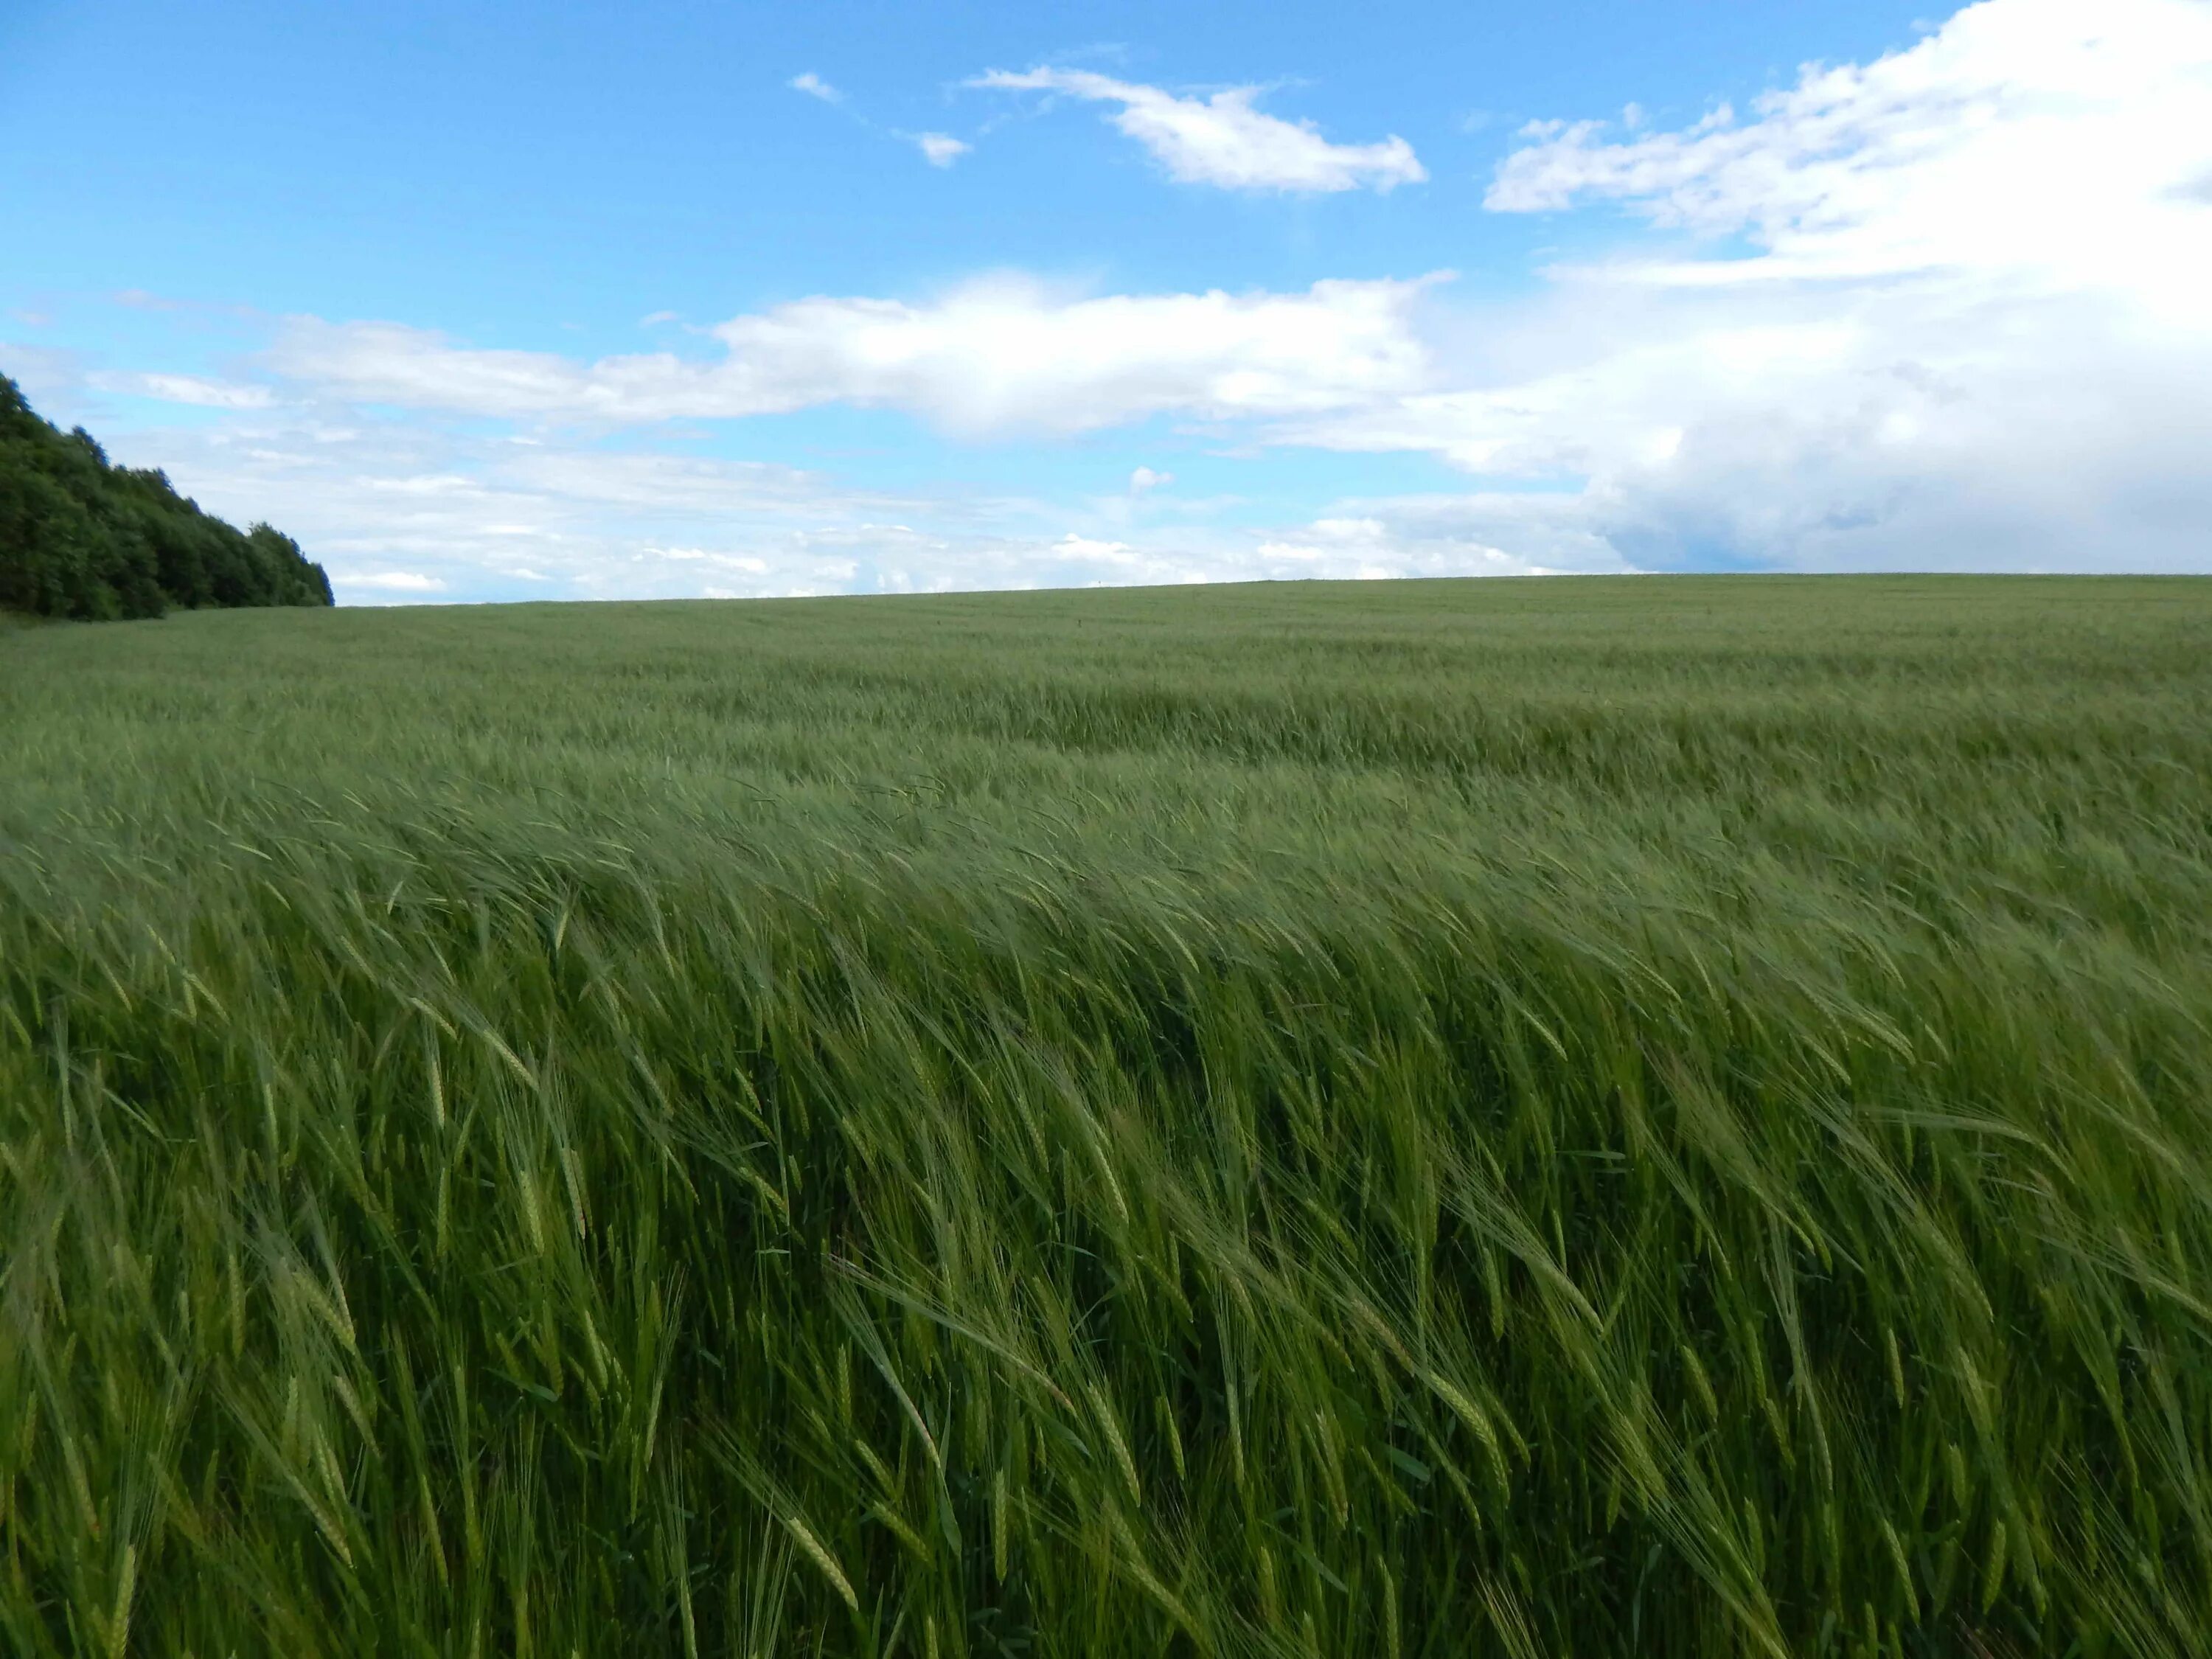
column 81, row 539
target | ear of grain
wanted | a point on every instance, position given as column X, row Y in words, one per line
column 1610, row 1118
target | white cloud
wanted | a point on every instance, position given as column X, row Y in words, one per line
column 1090, row 550
column 195, row 389
column 738, row 561
column 2044, row 139
column 389, row 581
column 389, row 505
column 1450, row 537
column 815, row 87
column 941, row 149
column 1223, row 140
column 1970, row 328
column 1942, row 309
column 402, row 512
column 999, row 353
column 51, row 377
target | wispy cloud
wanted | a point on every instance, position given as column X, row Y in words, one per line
column 404, row 512
column 939, row 150
column 1223, row 140
column 200, row 390
column 53, row 377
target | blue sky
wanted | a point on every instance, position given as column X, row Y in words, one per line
column 489, row 301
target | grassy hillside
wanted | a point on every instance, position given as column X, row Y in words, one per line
column 1656, row 1116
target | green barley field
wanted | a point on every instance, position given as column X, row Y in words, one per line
column 1662, row 1116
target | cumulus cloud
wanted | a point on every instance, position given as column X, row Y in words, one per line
column 815, row 87
column 2044, row 139
column 941, row 149
column 993, row 354
column 1223, row 140
column 1143, row 481
column 1942, row 309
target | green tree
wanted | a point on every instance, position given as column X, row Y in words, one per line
column 82, row 538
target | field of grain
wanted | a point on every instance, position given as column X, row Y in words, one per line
column 1657, row 1116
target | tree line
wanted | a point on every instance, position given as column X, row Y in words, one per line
column 82, row 538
